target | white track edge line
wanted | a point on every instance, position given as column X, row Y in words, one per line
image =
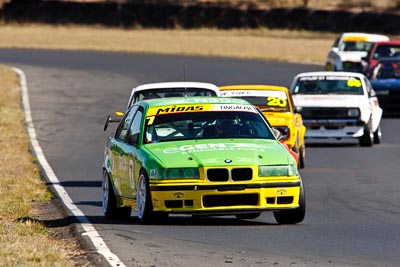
column 89, row 230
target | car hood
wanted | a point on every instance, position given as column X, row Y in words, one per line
column 219, row 152
column 354, row 56
column 327, row 100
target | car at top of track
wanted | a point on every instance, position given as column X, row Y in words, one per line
column 338, row 105
column 385, row 80
column 348, row 50
column 277, row 105
column 199, row 155
column 380, row 51
column 164, row 90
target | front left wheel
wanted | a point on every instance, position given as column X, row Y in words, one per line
column 109, row 201
column 377, row 135
column 367, row 139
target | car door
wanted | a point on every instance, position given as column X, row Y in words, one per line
column 119, row 149
column 130, row 173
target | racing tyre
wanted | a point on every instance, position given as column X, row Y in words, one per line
column 144, row 207
column 109, row 201
column 293, row 216
column 302, row 156
column 367, row 139
column 377, row 135
column 248, row 216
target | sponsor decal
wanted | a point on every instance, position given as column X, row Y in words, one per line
column 156, row 202
column 178, row 195
column 197, row 108
column 328, row 78
column 281, row 191
column 216, row 147
column 244, row 93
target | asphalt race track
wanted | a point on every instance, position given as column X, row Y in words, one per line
column 353, row 203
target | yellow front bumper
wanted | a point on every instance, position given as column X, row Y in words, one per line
column 224, row 198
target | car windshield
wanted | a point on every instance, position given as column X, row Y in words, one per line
column 205, row 125
column 386, row 51
column 172, row 92
column 389, row 70
column 312, row 85
column 355, row 46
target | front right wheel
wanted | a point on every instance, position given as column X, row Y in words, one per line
column 293, row 216
column 144, row 207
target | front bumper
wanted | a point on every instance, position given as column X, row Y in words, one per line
column 225, row 198
column 334, row 128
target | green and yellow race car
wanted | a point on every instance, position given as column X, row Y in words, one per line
column 199, row 155
column 277, row 105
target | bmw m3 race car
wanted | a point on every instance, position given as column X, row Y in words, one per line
column 348, row 50
column 199, row 155
column 276, row 104
column 338, row 105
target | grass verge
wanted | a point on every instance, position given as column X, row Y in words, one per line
column 282, row 45
column 25, row 240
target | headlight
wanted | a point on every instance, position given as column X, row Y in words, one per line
column 353, row 112
column 277, row 170
column 175, row 173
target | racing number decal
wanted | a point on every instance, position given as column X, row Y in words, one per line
column 131, row 174
column 276, row 101
column 354, row 83
column 150, row 120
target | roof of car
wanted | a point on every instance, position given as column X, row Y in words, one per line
column 331, row 73
column 253, row 87
column 388, row 42
column 161, row 85
column 367, row 37
column 170, row 101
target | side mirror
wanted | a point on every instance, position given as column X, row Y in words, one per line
column 109, row 119
column 133, row 139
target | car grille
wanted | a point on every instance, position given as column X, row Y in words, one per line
column 224, row 175
column 354, row 66
column 230, row 200
column 324, row 113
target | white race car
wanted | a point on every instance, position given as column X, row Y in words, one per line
column 338, row 105
column 164, row 90
column 171, row 89
column 348, row 50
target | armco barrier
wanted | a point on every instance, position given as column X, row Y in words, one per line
column 165, row 15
